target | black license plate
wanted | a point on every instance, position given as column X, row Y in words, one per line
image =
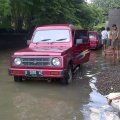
column 33, row 73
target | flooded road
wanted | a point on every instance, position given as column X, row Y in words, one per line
column 39, row 100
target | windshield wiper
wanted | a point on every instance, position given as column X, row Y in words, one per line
column 43, row 40
column 61, row 39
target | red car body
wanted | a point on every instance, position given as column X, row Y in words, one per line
column 95, row 40
column 54, row 51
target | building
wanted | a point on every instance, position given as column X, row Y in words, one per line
column 114, row 17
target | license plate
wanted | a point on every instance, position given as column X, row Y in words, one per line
column 33, row 73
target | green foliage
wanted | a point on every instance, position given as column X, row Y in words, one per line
column 107, row 4
column 55, row 11
column 5, row 7
column 99, row 26
column 25, row 14
column 89, row 15
column 5, row 13
column 5, row 24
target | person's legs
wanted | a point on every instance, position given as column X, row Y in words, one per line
column 113, row 51
column 108, row 43
column 105, row 46
column 103, row 41
column 117, row 46
column 113, row 48
column 117, row 54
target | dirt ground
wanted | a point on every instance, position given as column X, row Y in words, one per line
column 109, row 79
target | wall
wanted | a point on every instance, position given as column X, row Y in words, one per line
column 114, row 17
column 12, row 40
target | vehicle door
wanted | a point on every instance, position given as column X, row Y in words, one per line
column 81, row 47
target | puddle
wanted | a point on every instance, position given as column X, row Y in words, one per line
column 37, row 100
column 98, row 107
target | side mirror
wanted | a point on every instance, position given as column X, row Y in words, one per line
column 28, row 42
column 79, row 41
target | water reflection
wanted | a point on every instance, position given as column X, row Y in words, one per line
column 38, row 100
column 98, row 107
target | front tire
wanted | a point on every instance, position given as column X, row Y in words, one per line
column 67, row 79
column 18, row 79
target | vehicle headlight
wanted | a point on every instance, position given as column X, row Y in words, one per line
column 56, row 62
column 17, row 61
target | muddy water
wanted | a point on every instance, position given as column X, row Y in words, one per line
column 39, row 100
column 98, row 102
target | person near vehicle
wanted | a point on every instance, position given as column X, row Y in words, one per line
column 115, row 42
column 104, row 36
column 109, row 38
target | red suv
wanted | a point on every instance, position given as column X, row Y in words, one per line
column 95, row 40
column 54, row 51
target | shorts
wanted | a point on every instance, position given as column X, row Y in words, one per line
column 104, row 41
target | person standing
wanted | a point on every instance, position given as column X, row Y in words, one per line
column 114, row 42
column 104, row 35
column 109, row 38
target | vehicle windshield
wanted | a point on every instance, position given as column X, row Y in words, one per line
column 51, row 36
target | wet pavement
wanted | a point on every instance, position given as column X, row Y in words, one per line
column 106, row 70
column 40, row 100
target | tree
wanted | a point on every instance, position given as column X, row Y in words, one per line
column 106, row 4
column 19, row 12
column 5, row 13
column 28, row 13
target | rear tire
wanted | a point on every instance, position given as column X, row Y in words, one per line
column 18, row 79
column 67, row 79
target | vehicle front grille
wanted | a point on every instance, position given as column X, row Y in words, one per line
column 36, row 61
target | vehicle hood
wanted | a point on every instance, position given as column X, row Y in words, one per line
column 43, row 51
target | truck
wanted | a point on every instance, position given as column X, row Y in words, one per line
column 54, row 51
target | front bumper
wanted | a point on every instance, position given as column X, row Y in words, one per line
column 46, row 73
column 93, row 46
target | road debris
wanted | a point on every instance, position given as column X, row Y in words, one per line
column 114, row 100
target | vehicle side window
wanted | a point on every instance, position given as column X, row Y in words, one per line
column 82, row 35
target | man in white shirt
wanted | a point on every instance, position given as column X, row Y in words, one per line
column 104, row 35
